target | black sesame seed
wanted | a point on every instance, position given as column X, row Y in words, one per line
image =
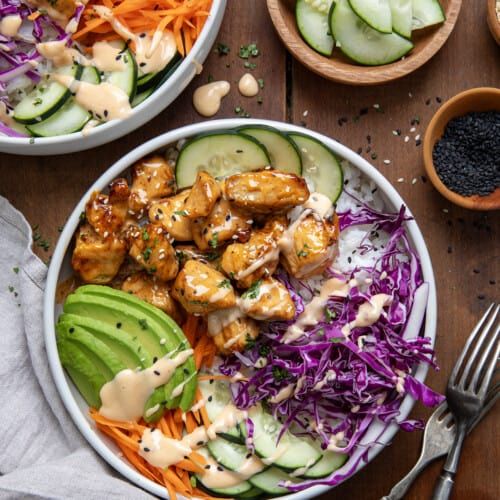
column 106, row 113
column 492, row 282
column 155, row 359
column 476, row 271
column 363, row 111
column 142, row 64
column 249, row 455
column 211, row 381
column 156, row 372
column 200, row 443
column 439, row 100
column 349, row 259
column 207, row 467
column 140, row 441
column 220, row 469
column 186, row 371
column 480, row 296
column 418, row 142
column 369, row 139
column 118, row 325
column 449, row 250
column 360, row 150
column 427, row 102
column 210, row 399
column 146, row 449
column 71, row 330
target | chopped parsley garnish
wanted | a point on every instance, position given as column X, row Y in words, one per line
column 253, row 291
column 249, row 50
column 330, row 315
column 224, row 284
column 182, row 213
column 280, row 373
column 303, row 252
column 147, row 253
column 145, row 235
column 260, row 81
column 211, row 256
column 214, row 241
column 249, row 342
column 264, row 350
column 37, row 101
column 222, row 49
column 180, row 255
column 250, row 65
column 16, row 270
column 143, row 323
column 336, row 340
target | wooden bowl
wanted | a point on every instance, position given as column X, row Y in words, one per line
column 480, row 99
column 493, row 22
column 341, row 69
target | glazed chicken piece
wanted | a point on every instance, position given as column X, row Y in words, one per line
column 152, row 178
column 224, row 223
column 106, row 213
column 152, row 290
column 200, row 289
column 172, row 215
column 231, row 330
column 97, row 259
column 266, row 191
column 268, row 300
column 310, row 248
column 151, row 248
column 188, row 252
column 258, row 257
column 203, row 196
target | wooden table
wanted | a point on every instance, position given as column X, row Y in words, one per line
column 463, row 245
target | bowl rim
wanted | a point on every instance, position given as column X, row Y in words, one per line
column 428, row 147
column 383, row 434
column 159, row 100
column 351, row 74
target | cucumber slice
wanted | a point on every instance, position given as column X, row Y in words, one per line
column 45, row 99
column 218, row 396
column 138, row 98
column 71, row 117
column 231, row 491
column 402, row 17
column 290, row 453
column 426, row 13
column 362, row 43
column 145, row 82
column 268, row 481
column 231, row 455
column 253, row 493
column 220, row 154
column 329, row 463
column 126, row 79
column 283, row 152
column 375, row 13
column 312, row 23
column 320, row 166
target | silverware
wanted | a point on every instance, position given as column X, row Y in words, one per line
column 438, row 437
column 467, row 389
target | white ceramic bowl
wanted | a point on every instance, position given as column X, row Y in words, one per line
column 60, row 269
column 157, row 102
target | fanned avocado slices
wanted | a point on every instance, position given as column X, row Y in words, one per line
column 103, row 331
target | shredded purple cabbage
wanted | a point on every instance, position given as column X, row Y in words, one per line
column 341, row 385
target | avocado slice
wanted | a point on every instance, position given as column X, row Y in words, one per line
column 185, row 401
column 143, row 324
column 82, row 372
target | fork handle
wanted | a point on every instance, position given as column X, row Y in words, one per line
column 400, row 489
column 444, row 486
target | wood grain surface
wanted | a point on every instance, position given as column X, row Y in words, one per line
column 464, row 245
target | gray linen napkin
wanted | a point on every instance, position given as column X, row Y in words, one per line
column 42, row 454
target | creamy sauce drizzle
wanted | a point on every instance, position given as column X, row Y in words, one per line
column 105, row 100
column 218, row 320
column 247, row 303
column 6, row 117
column 9, row 25
column 314, row 311
column 283, row 394
column 368, row 313
column 207, row 98
column 248, row 85
column 124, row 397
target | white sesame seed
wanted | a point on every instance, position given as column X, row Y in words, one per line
column 401, row 179
column 445, row 210
column 305, row 113
column 387, row 162
column 410, row 95
column 395, row 132
column 163, row 341
column 414, row 180
column 417, row 137
column 407, row 138
column 376, row 106
column 413, row 129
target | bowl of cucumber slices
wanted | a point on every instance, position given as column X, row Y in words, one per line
column 363, row 42
column 240, row 308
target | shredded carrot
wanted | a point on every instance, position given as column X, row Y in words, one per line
column 34, row 15
column 185, row 18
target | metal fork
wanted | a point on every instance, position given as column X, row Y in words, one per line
column 439, row 435
column 467, row 389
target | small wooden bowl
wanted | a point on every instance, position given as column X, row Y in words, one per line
column 480, row 99
column 341, row 69
column 493, row 22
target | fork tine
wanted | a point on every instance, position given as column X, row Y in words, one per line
column 494, row 344
column 446, row 420
column 440, row 410
column 482, row 331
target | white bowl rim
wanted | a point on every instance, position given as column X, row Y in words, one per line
column 383, row 438
column 144, row 112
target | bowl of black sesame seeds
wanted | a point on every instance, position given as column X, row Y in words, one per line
column 462, row 149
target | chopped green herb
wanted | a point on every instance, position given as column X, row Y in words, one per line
column 280, row 374
column 16, row 270
column 336, row 340
column 145, row 235
column 264, row 350
column 259, row 100
column 214, row 241
column 224, row 284
column 249, row 50
column 11, row 288
column 147, row 253
column 253, row 291
column 210, row 78
column 260, row 81
column 182, row 213
column 330, row 315
column 143, row 323
column 249, row 342
column 250, row 65
column 180, row 255
column 222, row 49
column 37, row 101
column 212, row 256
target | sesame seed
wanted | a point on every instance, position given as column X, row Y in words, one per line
column 401, row 179
column 387, row 162
column 407, row 138
column 414, row 180
column 156, row 372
